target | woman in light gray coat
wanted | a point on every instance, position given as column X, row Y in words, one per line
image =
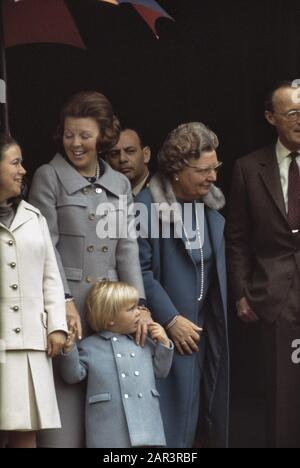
column 80, row 195
column 185, row 281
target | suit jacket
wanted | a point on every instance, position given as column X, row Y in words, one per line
column 122, row 402
column 263, row 254
column 31, row 292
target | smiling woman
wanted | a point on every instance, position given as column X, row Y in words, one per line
column 68, row 191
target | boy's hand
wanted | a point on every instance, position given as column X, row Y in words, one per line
column 158, row 333
column 69, row 344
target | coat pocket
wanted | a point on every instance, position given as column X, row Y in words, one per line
column 155, row 392
column 73, row 274
column 44, row 319
column 101, row 397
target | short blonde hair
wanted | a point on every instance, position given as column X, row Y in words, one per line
column 105, row 301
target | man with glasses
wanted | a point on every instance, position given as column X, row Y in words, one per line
column 264, row 257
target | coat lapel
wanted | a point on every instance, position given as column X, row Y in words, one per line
column 269, row 172
column 72, row 181
column 24, row 213
column 216, row 224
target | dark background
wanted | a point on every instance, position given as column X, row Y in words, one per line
column 213, row 64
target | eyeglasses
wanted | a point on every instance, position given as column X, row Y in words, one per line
column 205, row 170
column 291, row 116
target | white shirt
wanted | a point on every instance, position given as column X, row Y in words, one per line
column 284, row 162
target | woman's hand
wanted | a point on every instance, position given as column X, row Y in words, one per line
column 185, row 335
column 73, row 319
column 55, row 340
column 142, row 330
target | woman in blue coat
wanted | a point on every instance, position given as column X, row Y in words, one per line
column 183, row 264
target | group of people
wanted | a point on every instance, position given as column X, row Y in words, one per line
column 139, row 325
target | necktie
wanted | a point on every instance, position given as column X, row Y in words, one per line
column 294, row 193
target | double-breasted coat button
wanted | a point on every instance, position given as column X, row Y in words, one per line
column 126, row 396
column 91, row 248
column 85, row 191
column 14, row 287
column 123, row 375
column 98, row 190
column 136, row 373
column 132, row 354
column 140, row 395
column 104, row 249
column 13, row 264
column 17, row 330
column 119, row 355
column 16, row 308
column 115, row 339
column 88, row 279
column 10, row 243
column 92, row 216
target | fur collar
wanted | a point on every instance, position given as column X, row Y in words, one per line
column 162, row 192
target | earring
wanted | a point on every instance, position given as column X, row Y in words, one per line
column 176, row 179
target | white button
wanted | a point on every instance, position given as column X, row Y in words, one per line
column 132, row 354
column 115, row 339
column 126, row 396
column 140, row 395
column 123, row 375
column 98, row 190
column 137, row 373
column 119, row 355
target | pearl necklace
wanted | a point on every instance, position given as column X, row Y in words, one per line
column 97, row 174
column 201, row 250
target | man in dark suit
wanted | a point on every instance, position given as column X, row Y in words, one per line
column 263, row 240
column 131, row 156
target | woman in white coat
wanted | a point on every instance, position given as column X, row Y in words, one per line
column 32, row 309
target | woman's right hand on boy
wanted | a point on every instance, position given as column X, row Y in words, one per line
column 142, row 330
column 73, row 319
column 69, row 343
column 158, row 334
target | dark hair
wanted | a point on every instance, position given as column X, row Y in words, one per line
column 6, row 141
column 269, row 99
column 94, row 105
column 140, row 134
column 184, row 143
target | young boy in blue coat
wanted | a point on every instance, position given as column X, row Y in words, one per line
column 122, row 402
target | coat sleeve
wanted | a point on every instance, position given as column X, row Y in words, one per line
column 53, row 292
column 74, row 365
column 158, row 299
column 127, row 252
column 43, row 195
column 162, row 360
column 239, row 242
